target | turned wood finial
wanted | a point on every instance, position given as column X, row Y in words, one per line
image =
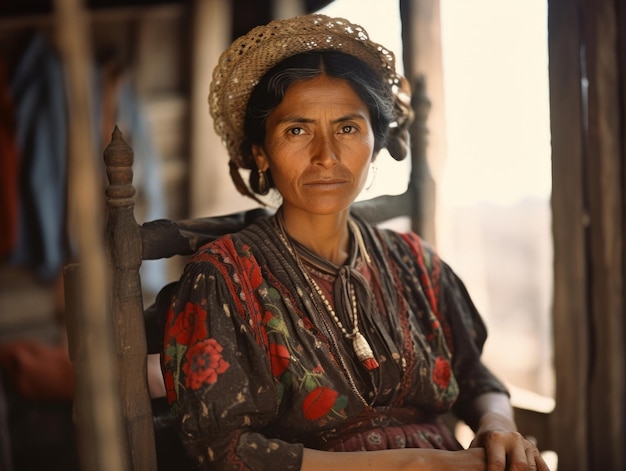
column 118, row 158
column 421, row 106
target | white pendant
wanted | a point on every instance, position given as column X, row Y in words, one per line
column 364, row 351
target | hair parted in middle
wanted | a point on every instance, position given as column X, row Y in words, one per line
column 271, row 90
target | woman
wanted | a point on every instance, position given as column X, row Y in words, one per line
column 311, row 340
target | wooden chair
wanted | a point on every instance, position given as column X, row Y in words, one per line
column 138, row 331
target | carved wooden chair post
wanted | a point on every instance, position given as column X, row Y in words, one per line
column 123, row 245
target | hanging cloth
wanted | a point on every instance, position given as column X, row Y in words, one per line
column 38, row 90
column 9, row 168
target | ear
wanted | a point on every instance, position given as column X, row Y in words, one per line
column 374, row 156
column 260, row 157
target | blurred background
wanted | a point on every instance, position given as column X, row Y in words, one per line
column 489, row 157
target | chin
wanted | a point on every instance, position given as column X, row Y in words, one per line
column 328, row 209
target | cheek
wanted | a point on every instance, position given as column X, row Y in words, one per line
column 366, row 152
column 287, row 161
column 284, row 176
column 362, row 177
column 370, row 142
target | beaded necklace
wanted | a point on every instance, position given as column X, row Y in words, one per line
column 360, row 344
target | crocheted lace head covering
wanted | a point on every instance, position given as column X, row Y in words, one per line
column 242, row 65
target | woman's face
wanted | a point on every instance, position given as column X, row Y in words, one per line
column 318, row 146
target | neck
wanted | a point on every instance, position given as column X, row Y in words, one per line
column 325, row 235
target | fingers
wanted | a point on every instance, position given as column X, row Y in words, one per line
column 501, row 447
column 534, row 460
column 539, row 461
column 531, row 457
column 512, row 452
column 501, row 453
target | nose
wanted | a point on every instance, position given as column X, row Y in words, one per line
column 324, row 151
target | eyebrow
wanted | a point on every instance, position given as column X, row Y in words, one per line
column 302, row 119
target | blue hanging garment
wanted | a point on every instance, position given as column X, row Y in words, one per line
column 38, row 89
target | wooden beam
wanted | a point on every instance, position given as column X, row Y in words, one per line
column 605, row 160
column 586, row 42
column 96, row 403
column 211, row 190
column 423, row 66
column 570, row 227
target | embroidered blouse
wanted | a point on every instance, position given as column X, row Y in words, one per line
column 256, row 369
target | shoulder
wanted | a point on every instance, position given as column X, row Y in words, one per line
column 403, row 246
column 231, row 247
column 232, row 262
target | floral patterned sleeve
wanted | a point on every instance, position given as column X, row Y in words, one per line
column 469, row 333
column 466, row 332
column 216, row 371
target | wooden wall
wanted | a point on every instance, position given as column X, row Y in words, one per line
column 587, row 47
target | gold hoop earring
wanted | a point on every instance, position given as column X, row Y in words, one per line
column 263, row 186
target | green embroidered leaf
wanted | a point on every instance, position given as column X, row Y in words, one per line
column 280, row 390
column 310, row 382
column 286, row 379
column 170, row 351
column 341, row 403
column 274, row 323
column 274, row 294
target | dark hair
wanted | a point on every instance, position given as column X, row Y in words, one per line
column 272, row 87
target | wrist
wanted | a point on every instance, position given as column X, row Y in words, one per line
column 496, row 421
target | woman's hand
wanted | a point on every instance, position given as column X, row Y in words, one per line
column 506, row 449
column 491, row 417
column 509, row 451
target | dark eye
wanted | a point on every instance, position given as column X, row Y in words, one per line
column 295, row 131
column 347, row 129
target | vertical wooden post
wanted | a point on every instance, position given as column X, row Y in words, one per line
column 423, row 64
column 123, row 242
column 571, row 342
column 89, row 329
column 208, row 163
column 605, row 160
column 421, row 185
column 587, row 64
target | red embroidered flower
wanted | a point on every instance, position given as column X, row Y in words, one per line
column 280, row 358
column 441, row 372
column 170, row 387
column 255, row 276
column 319, row 402
column 189, row 326
column 252, row 269
column 204, row 364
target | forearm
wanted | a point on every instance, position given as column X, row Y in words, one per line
column 491, row 411
column 364, row 460
column 409, row 459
